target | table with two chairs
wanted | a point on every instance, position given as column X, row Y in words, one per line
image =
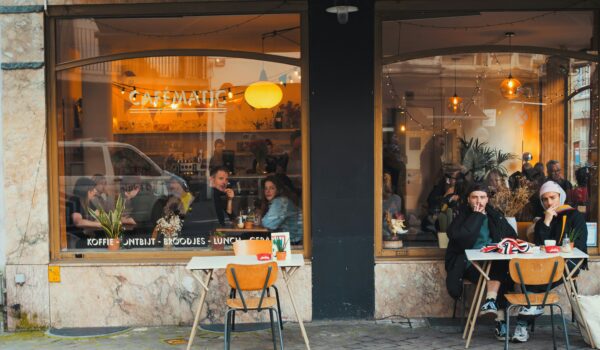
column 246, row 273
column 539, row 268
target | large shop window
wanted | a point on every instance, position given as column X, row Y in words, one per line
column 450, row 119
column 204, row 146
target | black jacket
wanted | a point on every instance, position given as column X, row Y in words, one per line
column 575, row 221
column 463, row 233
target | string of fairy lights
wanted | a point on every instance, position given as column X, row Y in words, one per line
column 289, row 76
column 571, row 5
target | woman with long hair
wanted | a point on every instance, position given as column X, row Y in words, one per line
column 280, row 208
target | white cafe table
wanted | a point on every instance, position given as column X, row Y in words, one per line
column 476, row 257
column 207, row 264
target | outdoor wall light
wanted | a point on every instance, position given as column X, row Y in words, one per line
column 342, row 12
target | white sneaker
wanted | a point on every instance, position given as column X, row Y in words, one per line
column 531, row 311
column 521, row 335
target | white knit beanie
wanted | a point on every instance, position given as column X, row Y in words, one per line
column 551, row 186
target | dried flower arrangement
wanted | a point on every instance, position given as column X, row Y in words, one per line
column 510, row 202
column 169, row 226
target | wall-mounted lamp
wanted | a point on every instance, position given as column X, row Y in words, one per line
column 342, row 12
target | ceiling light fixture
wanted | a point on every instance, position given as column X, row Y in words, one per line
column 263, row 93
column 509, row 86
column 455, row 102
column 342, row 11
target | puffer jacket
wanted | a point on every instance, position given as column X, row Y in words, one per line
column 462, row 234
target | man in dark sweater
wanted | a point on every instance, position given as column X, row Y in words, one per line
column 475, row 227
column 222, row 195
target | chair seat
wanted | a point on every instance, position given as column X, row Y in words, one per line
column 535, row 298
column 251, row 303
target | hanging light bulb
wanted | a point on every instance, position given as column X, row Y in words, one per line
column 134, row 93
column 402, row 128
column 455, row 102
column 229, row 93
column 509, row 86
column 123, row 91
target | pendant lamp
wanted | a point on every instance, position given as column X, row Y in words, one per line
column 509, row 86
column 455, row 102
column 263, row 94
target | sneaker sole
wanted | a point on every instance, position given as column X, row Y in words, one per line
column 488, row 313
column 515, row 340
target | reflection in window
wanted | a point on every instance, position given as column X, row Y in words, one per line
column 431, row 153
column 175, row 137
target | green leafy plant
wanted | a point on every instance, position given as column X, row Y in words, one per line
column 479, row 158
column 280, row 244
column 573, row 234
column 219, row 234
column 111, row 220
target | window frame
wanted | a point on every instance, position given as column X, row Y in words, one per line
column 57, row 237
column 388, row 10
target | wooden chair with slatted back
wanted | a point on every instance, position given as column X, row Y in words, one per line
column 244, row 278
column 254, row 247
column 536, row 272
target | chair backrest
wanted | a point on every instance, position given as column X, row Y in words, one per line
column 251, row 247
column 252, row 277
column 536, row 271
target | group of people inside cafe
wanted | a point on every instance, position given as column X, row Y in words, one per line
column 199, row 212
column 555, row 208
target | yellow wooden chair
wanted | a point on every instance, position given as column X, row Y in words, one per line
column 529, row 272
column 254, row 247
column 244, row 278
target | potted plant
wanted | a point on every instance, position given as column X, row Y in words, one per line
column 396, row 226
column 280, row 246
column 169, row 226
column 444, row 221
column 111, row 223
column 512, row 203
column 217, row 240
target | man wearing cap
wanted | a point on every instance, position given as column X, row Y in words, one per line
column 475, row 227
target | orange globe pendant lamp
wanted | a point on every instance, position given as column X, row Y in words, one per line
column 263, row 94
column 455, row 102
column 509, row 87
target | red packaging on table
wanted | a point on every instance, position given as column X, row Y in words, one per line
column 552, row 249
column 264, row 256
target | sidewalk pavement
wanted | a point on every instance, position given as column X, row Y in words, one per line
column 421, row 334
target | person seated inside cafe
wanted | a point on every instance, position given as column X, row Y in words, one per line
column 445, row 194
column 280, row 208
column 477, row 225
column 178, row 188
column 80, row 223
column 222, row 195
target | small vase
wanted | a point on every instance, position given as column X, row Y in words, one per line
column 248, row 224
column 281, row 255
column 167, row 243
column 114, row 244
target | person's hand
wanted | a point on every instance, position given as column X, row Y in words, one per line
column 229, row 192
column 549, row 214
column 454, row 198
column 479, row 208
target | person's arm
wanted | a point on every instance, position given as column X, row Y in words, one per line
column 465, row 228
column 229, row 207
column 80, row 222
column 542, row 232
column 276, row 214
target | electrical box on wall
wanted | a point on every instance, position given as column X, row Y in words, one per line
column 54, row 274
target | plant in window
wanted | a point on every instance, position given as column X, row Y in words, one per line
column 217, row 240
column 280, row 247
column 510, row 202
column 479, row 159
column 111, row 222
column 170, row 227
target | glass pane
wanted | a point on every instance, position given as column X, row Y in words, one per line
column 90, row 37
column 431, row 152
column 177, row 137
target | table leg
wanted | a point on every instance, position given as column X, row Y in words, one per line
column 479, row 297
column 286, row 278
column 200, row 305
column 480, row 282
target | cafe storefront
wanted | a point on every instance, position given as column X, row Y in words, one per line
column 361, row 123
